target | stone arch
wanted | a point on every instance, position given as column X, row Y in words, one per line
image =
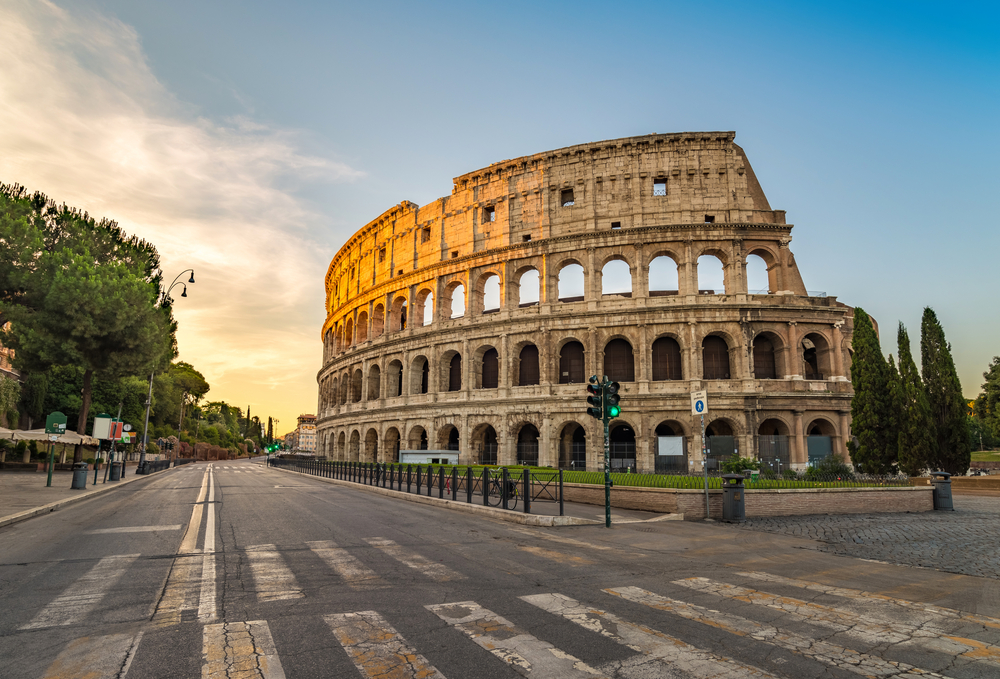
column 722, row 425
column 374, row 382
column 486, row 367
column 361, row 330
column 342, row 446
column 572, row 446
column 334, row 394
column 485, row 443
column 455, row 300
column 667, row 363
column 528, row 368
column 816, row 356
column 616, row 277
column 448, row 438
column 623, row 437
column 571, row 281
column 356, row 381
column 378, row 320
column 398, row 317
column 390, row 445
column 340, row 338
column 767, row 352
column 758, row 275
column 450, row 366
column 394, row 379
column 715, row 359
column 664, row 275
column 670, row 446
column 487, row 294
column 423, row 308
column 527, row 282
column 416, row 439
column 349, row 333
column 774, row 425
column 821, row 426
column 572, row 361
column 371, row 446
column 712, row 273
column 354, row 447
column 528, row 437
column 345, row 388
column 619, row 360
column 420, row 370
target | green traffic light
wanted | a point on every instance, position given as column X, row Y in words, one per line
column 614, row 411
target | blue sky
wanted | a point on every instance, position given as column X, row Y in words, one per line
column 251, row 139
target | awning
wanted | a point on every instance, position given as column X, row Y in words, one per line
column 70, row 437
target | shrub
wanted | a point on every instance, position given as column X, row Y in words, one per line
column 736, row 464
column 831, row 465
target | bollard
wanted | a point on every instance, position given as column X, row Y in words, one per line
column 468, row 485
column 504, row 480
column 526, row 493
column 486, row 486
column 441, row 482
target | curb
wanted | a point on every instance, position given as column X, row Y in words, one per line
column 59, row 504
column 454, row 505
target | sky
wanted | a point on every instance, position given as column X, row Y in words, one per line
column 249, row 140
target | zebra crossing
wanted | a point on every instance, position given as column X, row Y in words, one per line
column 863, row 633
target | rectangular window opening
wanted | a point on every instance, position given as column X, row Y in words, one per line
column 454, row 254
column 616, row 225
column 709, row 219
column 425, row 235
column 489, row 214
column 526, row 237
column 660, row 186
column 566, row 198
column 381, row 255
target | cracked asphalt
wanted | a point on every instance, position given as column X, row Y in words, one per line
column 965, row 541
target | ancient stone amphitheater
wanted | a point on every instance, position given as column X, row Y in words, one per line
column 472, row 324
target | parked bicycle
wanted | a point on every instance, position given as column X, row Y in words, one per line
column 497, row 492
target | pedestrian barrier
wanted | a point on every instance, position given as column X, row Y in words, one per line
column 152, row 466
column 502, row 487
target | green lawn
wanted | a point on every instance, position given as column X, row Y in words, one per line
column 986, row 456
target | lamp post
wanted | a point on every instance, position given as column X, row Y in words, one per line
column 165, row 300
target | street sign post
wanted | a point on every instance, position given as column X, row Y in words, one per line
column 55, row 426
column 699, row 406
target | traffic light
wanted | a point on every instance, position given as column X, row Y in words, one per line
column 595, row 398
column 611, row 399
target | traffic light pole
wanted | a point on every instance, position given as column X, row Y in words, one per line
column 607, row 475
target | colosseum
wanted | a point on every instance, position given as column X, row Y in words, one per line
column 472, row 324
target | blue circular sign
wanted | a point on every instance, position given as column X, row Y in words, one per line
column 699, row 406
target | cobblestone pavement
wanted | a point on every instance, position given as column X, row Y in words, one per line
column 965, row 541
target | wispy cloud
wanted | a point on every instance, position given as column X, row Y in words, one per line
column 84, row 119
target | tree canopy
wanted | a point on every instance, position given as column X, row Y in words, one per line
column 952, row 452
column 873, row 420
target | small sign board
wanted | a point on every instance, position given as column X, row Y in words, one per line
column 699, row 402
column 127, row 437
column 102, row 426
column 115, row 431
column 55, row 423
column 128, row 427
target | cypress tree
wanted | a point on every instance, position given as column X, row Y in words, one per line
column 917, row 438
column 872, row 418
column 952, row 452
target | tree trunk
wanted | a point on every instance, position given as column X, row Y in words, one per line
column 81, row 423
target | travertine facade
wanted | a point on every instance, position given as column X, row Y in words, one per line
column 436, row 338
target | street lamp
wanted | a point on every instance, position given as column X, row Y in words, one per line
column 165, row 300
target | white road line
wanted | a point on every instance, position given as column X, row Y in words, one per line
column 105, row 657
column 135, row 529
column 355, row 574
column 691, row 661
column 822, row 651
column 435, row 571
column 84, row 594
column 378, row 650
column 240, row 650
column 273, row 580
column 207, row 604
column 526, row 654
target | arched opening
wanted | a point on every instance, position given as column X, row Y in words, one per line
column 448, row 437
column 622, row 444
column 491, row 369
column 417, row 439
column 374, row 382
column 666, row 359
column 527, row 446
column 419, row 375
column 711, row 276
column 427, row 302
column 345, row 388
column 349, row 333
column 765, row 367
column 362, row 329
column 455, row 373
column 371, row 446
column 773, row 447
column 394, row 379
column 671, row 447
column 354, row 449
column 571, row 364
column 378, row 320
column 819, row 440
column 398, row 314
column 715, row 358
column 663, row 278
column 816, row 357
column 527, row 286
column 391, row 445
column 458, row 301
column 487, row 446
column 571, row 283
column 491, row 294
column 573, row 447
column 527, row 370
column 335, row 392
column 720, row 443
column 616, row 278
column 356, row 382
column 342, row 447
column 619, row 363
column 757, row 279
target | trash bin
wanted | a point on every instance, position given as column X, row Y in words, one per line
column 115, row 471
column 733, row 509
column 79, row 476
column 942, row 491
column 751, row 474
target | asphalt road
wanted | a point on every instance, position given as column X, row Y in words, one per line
column 232, row 570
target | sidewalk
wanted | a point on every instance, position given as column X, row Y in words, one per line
column 24, row 494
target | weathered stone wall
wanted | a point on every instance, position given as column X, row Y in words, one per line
column 390, row 381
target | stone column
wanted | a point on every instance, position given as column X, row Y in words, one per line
column 837, row 352
column 364, row 380
column 468, row 365
column 800, row 455
column 504, row 359
column 547, row 455
column 507, row 450
column 644, row 448
column 591, row 291
column 545, row 360
column 693, row 367
column 845, row 435
column 645, row 355
column 793, row 361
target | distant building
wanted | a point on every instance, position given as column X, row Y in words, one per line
column 306, row 433
column 6, row 361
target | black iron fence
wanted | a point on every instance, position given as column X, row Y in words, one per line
column 151, row 466
column 178, row 461
column 490, row 486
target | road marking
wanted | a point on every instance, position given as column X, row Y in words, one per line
column 555, row 556
column 557, row 538
column 433, row 570
column 273, row 580
column 857, row 594
column 207, row 603
column 355, row 574
column 105, row 657
column 822, row 651
column 240, row 650
column 378, row 650
column 526, row 654
column 691, row 661
column 180, row 593
column 135, row 529
column 189, row 543
column 84, row 594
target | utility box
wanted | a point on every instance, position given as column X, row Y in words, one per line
column 733, row 507
column 428, row 457
column 942, row 491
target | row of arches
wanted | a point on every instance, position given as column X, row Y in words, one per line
column 669, row 358
column 661, row 276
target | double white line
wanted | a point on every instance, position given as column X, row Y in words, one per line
column 205, row 504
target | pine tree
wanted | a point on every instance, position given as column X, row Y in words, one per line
column 944, row 396
column 917, row 437
column 872, row 419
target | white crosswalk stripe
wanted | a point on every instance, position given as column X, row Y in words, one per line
column 84, row 594
column 418, row 562
column 354, row 573
column 526, row 654
column 674, row 652
column 240, row 650
column 378, row 650
column 103, row 657
column 272, row 578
